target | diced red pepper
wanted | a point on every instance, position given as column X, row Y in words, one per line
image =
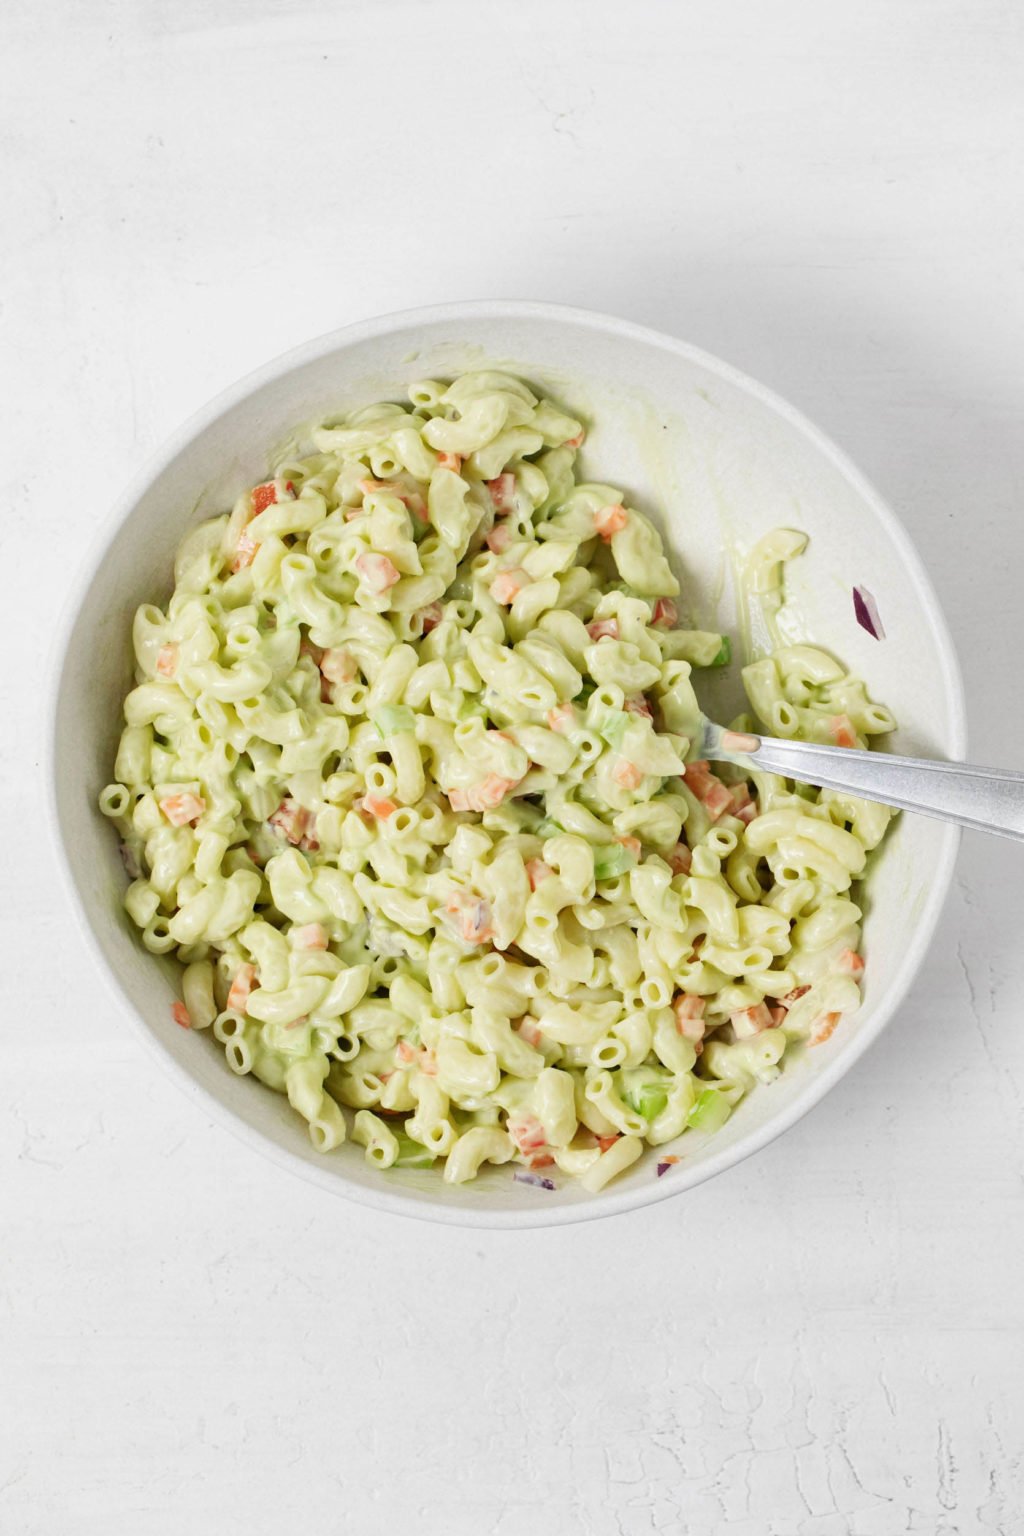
column 503, row 489
column 680, row 859
column 537, row 871
column 499, row 538
column 291, row 820
column 689, row 1012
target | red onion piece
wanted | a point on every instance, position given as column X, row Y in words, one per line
column 866, row 611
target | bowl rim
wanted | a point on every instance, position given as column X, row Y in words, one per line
column 615, row 1202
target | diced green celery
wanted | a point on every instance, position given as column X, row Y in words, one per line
column 611, row 859
column 648, row 1099
column 412, row 1154
column 547, row 828
column 710, row 1112
column 613, row 727
column 724, row 653
column 393, row 717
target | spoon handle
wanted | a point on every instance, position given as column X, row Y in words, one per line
column 987, row 799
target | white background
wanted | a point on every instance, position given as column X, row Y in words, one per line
column 828, row 1338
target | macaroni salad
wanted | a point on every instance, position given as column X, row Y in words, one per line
column 407, row 783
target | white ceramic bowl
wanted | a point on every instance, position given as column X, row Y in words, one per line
column 718, row 460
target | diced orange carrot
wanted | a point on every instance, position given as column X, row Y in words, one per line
column 709, row 790
column 795, row 996
column 689, row 1012
column 626, row 774
column 503, row 489
column 575, row 442
column 507, row 585
column 632, row 845
column 604, row 1142
column 338, row 665
column 180, row 1015
column 485, row 795
column 537, row 871
column 499, row 538
column 406, row 1052
column 610, row 520
column 561, row 719
column 298, row 1023
column 824, row 1028
column 310, row 936
column 604, row 629
column 377, row 571
column 241, row 986
column 386, row 487
column 680, row 859
column 290, row 820
column 850, row 963
column 665, row 615
column 491, row 791
column 182, row 809
column 751, row 1021
column 452, row 461
column 379, row 806
column 167, row 660
column 842, row 731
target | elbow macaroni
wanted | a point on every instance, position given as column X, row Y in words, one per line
column 406, row 783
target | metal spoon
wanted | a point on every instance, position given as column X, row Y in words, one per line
column 987, row 799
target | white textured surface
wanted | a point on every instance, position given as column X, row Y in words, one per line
column 827, row 1339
